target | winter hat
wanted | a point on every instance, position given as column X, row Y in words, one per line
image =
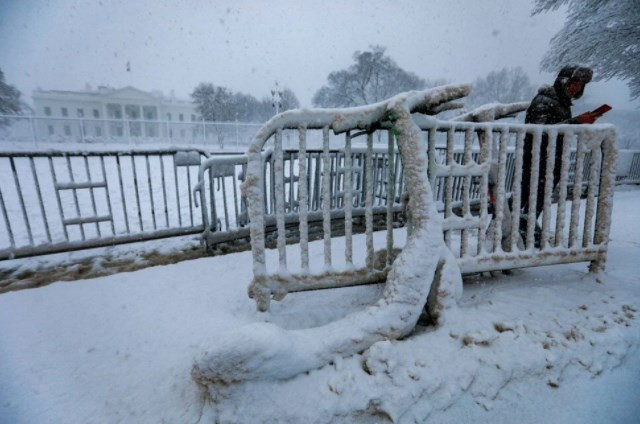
column 576, row 73
column 572, row 73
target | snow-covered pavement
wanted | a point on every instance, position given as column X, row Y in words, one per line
column 548, row 344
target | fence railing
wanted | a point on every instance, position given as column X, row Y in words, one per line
column 55, row 201
column 483, row 240
column 34, row 223
column 35, row 130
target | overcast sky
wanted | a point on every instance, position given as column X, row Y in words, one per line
column 247, row 45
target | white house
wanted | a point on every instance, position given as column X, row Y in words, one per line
column 110, row 112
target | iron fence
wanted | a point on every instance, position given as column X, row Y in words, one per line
column 37, row 130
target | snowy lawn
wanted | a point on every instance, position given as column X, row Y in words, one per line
column 548, row 344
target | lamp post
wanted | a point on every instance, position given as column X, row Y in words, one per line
column 276, row 97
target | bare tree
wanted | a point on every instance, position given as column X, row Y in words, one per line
column 603, row 34
column 508, row 85
column 372, row 78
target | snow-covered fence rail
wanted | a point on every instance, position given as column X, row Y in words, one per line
column 225, row 213
column 487, row 237
column 56, row 201
column 572, row 230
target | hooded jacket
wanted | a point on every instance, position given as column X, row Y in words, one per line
column 552, row 105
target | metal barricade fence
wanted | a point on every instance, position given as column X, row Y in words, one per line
column 481, row 240
column 56, row 201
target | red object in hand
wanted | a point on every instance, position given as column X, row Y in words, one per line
column 602, row 110
column 588, row 118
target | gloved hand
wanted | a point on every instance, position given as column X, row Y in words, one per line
column 587, row 118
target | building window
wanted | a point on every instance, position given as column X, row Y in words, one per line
column 117, row 114
column 64, row 111
column 168, row 117
column 47, row 111
column 181, row 133
column 80, row 113
column 96, row 113
column 119, row 131
column 181, row 117
column 67, row 130
column 98, row 131
column 50, row 128
column 193, row 118
column 151, row 132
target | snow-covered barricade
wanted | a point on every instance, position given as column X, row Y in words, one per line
column 427, row 270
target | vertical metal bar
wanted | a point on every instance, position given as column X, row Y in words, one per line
column 55, row 184
column 153, row 209
column 391, row 179
column 6, row 220
column 500, row 195
column 188, row 169
column 224, row 202
column 279, row 200
column 122, row 196
column 448, row 212
column 607, row 183
column 577, row 191
column 291, row 208
column 548, row 187
column 303, row 200
column 135, row 184
column 234, row 181
column 562, row 190
column 334, row 179
column 533, row 188
column 75, row 196
column 272, row 184
column 516, row 200
column 106, row 189
column 91, row 193
column 466, row 206
column 40, row 201
column 379, row 178
column 432, row 171
column 485, row 157
column 596, row 153
column 164, row 188
column 348, row 201
column 316, row 184
column 369, row 202
column 212, row 197
column 175, row 178
column 326, row 200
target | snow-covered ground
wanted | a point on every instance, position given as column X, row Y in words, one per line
column 549, row 344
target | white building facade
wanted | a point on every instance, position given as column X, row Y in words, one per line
column 113, row 113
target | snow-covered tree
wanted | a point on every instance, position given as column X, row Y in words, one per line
column 372, row 78
column 9, row 100
column 222, row 104
column 507, row 85
column 604, row 34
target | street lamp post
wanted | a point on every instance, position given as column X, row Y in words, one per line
column 276, row 97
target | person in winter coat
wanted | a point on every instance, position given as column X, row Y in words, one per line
column 552, row 105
